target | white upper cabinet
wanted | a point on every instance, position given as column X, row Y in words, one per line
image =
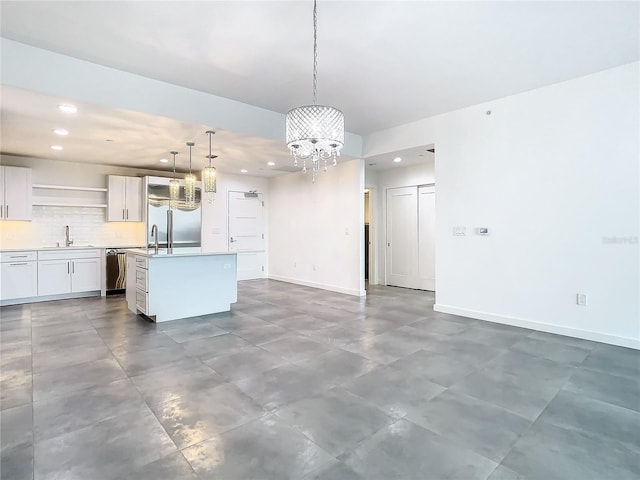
column 15, row 193
column 125, row 199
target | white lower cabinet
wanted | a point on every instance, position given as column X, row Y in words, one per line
column 85, row 274
column 73, row 271
column 54, row 277
column 18, row 275
column 130, row 293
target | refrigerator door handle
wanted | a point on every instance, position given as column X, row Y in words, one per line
column 169, row 231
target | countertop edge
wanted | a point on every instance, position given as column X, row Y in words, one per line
column 71, row 247
column 149, row 253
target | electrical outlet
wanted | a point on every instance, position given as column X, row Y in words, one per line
column 459, row 231
column 581, row 299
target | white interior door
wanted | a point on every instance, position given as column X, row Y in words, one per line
column 402, row 234
column 426, row 237
column 246, row 233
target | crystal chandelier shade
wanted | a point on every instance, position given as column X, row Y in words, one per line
column 190, row 182
column 174, row 184
column 315, row 132
column 209, row 173
column 209, row 179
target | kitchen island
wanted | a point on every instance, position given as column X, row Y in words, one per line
column 186, row 283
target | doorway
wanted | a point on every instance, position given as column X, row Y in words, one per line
column 369, row 236
column 246, row 233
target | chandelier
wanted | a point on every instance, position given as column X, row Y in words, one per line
column 190, row 182
column 209, row 173
column 174, row 184
column 315, row 132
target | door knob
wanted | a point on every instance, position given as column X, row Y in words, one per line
column 232, row 240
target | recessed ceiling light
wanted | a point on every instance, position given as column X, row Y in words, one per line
column 244, row 170
column 67, row 108
column 397, row 160
column 271, row 164
column 164, row 160
column 60, row 131
column 56, row 147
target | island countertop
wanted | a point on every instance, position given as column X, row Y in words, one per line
column 177, row 252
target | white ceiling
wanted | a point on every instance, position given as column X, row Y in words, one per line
column 27, row 120
column 384, row 63
column 408, row 158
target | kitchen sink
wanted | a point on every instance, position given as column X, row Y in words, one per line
column 80, row 245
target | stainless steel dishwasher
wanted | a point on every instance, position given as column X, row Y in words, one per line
column 116, row 271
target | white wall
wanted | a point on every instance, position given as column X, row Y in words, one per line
column 319, row 225
column 422, row 174
column 215, row 225
column 553, row 173
column 88, row 225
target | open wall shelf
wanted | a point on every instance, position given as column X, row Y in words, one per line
column 69, row 196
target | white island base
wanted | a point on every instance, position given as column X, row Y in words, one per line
column 186, row 283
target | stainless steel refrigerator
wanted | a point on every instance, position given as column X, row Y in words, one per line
column 186, row 219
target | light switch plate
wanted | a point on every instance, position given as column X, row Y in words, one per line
column 581, row 299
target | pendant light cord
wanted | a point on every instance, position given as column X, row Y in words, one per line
column 315, row 51
column 210, row 133
column 174, row 164
column 190, row 144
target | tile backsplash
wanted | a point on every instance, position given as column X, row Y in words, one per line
column 88, row 225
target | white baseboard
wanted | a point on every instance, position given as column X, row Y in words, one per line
column 332, row 288
column 47, row 298
column 543, row 327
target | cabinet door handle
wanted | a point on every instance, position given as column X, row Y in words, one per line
column 68, row 268
column 7, row 215
column 16, row 264
column 1, row 211
column 123, row 213
column 18, row 256
column 73, row 267
column 127, row 214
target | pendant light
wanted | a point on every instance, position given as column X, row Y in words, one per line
column 315, row 131
column 174, row 185
column 209, row 173
column 190, row 182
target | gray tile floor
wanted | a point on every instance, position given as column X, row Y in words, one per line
column 297, row 383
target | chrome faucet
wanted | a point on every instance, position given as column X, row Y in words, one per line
column 154, row 234
column 67, row 241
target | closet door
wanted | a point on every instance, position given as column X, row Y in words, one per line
column 411, row 242
column 426, row 238
column 402, row 235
